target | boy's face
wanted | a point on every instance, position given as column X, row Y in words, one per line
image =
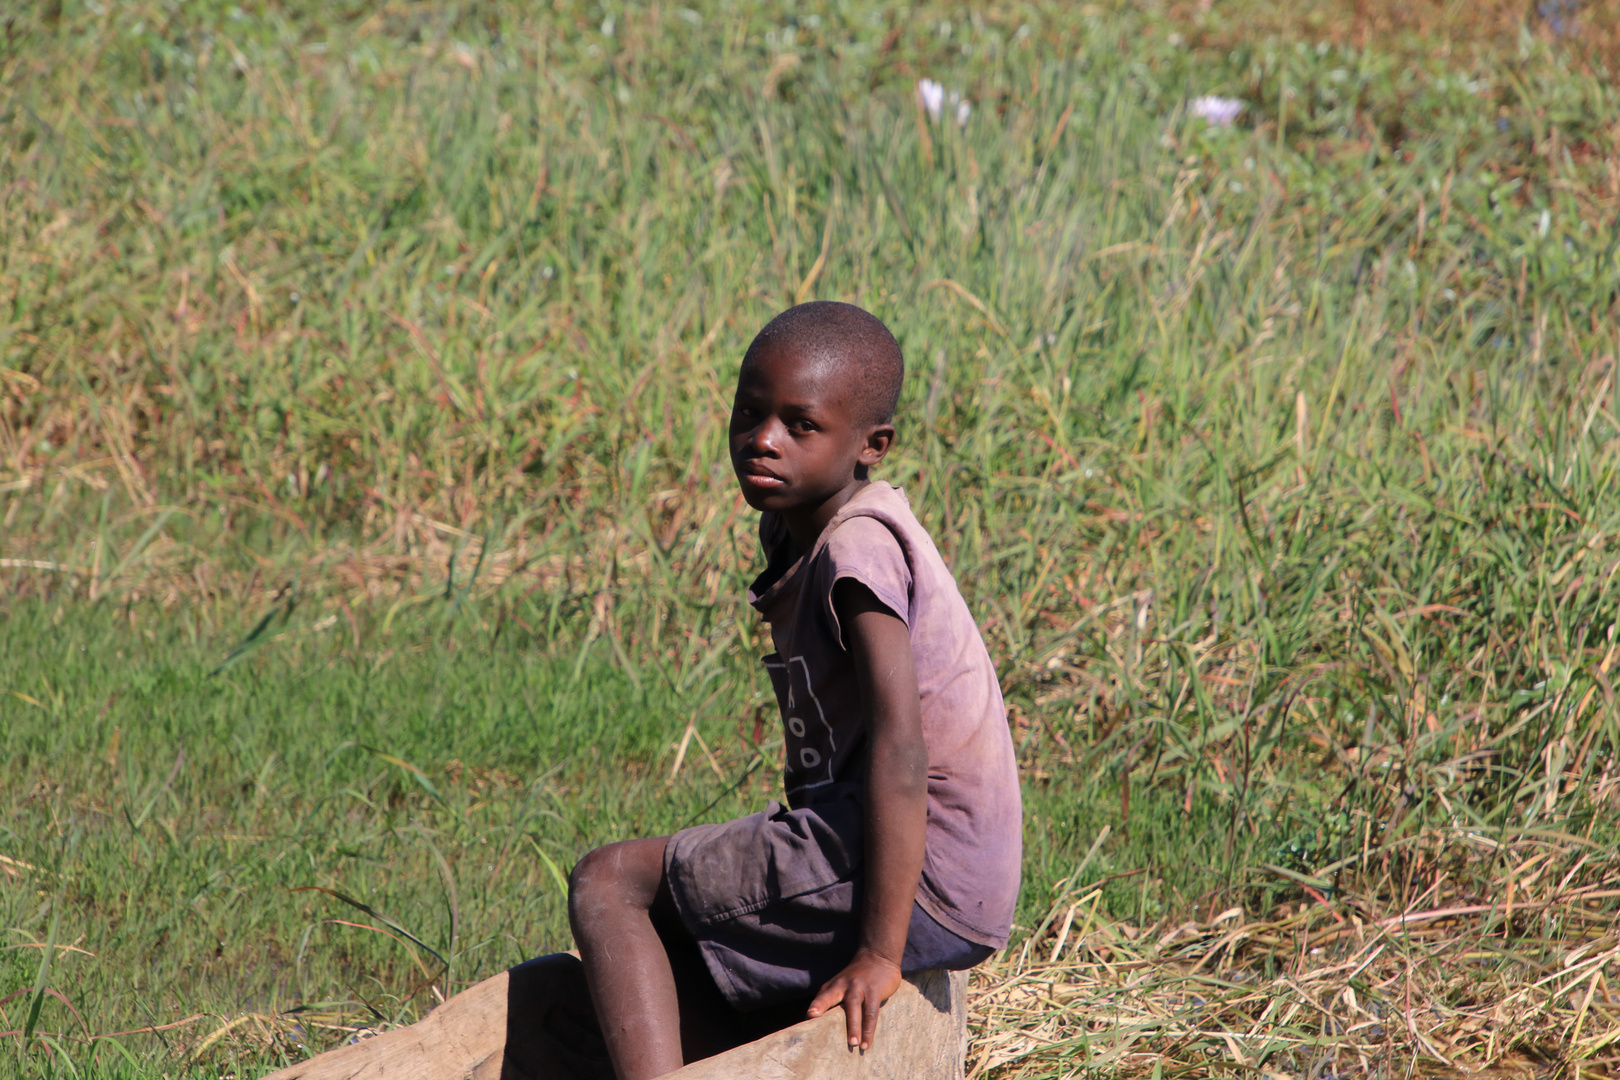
column 797, row 437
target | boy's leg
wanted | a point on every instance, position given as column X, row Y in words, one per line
column 657, row 1005
column 709, row 1025
column 611, row 896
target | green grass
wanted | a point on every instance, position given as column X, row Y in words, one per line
column 1278, row 462
column 171, row 815
column 175, row 820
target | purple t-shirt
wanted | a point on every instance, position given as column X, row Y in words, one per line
column 975, row 812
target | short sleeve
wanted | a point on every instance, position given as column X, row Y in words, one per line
column 866, row 550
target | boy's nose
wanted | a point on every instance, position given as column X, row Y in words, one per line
column 766, row 436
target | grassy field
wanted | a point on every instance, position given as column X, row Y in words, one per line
column 368, row 550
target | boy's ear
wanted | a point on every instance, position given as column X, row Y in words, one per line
column 878, row 441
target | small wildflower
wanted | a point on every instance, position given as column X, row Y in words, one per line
column 1216, row 111
column 932, row 97
column 1559, row 15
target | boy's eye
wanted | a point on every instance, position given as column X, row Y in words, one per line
column 801, row 426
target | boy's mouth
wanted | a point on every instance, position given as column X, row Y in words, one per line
column 758, row 477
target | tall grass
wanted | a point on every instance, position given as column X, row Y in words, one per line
column 1278, row 462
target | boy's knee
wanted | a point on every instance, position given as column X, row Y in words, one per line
column 626, row 874
column 591, row 877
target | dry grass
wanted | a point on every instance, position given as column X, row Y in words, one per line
column 1521, row 984
column 1489, row 32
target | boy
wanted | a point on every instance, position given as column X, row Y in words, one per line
column 899, row 846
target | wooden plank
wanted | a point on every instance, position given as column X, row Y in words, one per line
column 469, row 1038
column 922, row 1035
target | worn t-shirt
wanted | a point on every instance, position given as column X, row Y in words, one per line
column 975, row 815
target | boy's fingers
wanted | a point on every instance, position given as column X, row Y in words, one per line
column 830, row 995
column 869, row 1015
column 854, row 1010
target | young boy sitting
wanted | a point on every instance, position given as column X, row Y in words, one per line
column 898, row 849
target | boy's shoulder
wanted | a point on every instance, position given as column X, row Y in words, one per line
column 877, row 537
column 880, row 508
column 881, row 502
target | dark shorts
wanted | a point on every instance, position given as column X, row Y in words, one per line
column 771, row 900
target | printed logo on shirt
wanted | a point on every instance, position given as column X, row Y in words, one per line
column 810, row 743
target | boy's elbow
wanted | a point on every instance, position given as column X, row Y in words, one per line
column 915, row 786
column 903, row 767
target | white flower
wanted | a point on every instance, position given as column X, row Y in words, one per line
column 1215, row 111
column 932, row 97
column 934, row 100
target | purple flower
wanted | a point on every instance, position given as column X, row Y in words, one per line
column 1215, row 111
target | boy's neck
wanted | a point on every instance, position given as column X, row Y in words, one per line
column 805, row 524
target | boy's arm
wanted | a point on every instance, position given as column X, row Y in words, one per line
column 896, row 807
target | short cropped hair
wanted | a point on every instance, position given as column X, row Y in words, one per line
column 850, row 337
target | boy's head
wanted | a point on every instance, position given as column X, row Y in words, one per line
column 814, row 406
column 855, row 342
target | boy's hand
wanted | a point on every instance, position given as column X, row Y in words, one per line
column 861, row 988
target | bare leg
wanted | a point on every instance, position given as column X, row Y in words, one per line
column 709, row 1025
column 611, row 895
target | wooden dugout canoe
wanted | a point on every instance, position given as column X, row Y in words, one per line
column 922, row 1035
